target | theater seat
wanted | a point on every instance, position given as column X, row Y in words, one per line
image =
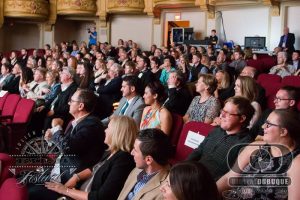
column 268, row 79
column 291, row 81
column 12, row 190
column 177, row 125
column 5, row 162
column 182, row 151
column 18, row 126
column 9, row 108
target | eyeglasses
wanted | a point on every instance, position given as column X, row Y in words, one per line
column 269, row 124
column 281, row 99
column 224, row 112
column 72, row 100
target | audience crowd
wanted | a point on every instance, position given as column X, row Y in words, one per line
column 80, row 90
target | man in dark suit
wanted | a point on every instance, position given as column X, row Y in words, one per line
column 109, row 92
column 179, row 98
column 131, row 104
column 195, row 68
column 82, row 143
column 296, row 61
column 287, row 41
column 145, row 74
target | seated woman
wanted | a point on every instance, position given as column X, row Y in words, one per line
column 246, row 87
column 205, row 107
column 154, row 115
column 106, row 179
column 86, row 75
column 189, row 181
column 262, row 159
column 223, row 82
column 48, row 95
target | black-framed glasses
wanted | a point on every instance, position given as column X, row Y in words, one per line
column 269, row 124
column 228, row 113
column 281, row 99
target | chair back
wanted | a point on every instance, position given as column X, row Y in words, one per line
column 291, row 81
column 182, row 151
column 23, row 111
column 11, row 189
column 10, row 105
column 2, row 100
column 5, row 163
column 177, row 125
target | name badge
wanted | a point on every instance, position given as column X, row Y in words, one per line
column 193, row 140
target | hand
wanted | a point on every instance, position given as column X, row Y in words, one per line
column 56, row 187
column 50, row 113
column 48, row 135
column 216, row 122
column 45, row 90
column 71, row 183
column 39, row 109
column 57, row 122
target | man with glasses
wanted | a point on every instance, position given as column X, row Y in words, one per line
column 286, row 98
column 81, row 144
column 213, row 151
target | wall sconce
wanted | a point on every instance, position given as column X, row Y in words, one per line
column 177, row 16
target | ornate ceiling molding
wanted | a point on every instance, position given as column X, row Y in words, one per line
column 76, row 7
column 34, row 9
column 126, row 6
column 207, row 6
column 1, row 13
column 275, row 6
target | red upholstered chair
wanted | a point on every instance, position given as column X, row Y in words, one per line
column 269, row 62
column 291, row 80
column 2, row 101
column 18, row 125
column 268, row 79
column 9, row 107
column 177, row 125
column 182, row 151
column 257, row 64
column 5, row 162
column 12, row 190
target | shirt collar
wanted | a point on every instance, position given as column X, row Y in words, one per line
column 144, row 176
column 77, row 121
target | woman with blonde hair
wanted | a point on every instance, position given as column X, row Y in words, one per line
column 223, row 80
column 247, row 87
column 106, row 179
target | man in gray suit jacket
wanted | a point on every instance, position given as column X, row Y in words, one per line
column 131, row 104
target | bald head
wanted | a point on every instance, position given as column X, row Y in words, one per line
column 249, row 71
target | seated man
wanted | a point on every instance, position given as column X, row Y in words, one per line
column 282, row 68
column 131, row 104
column 34, row 89
column 82, row 143
column 234, row 119
column 151, row 152
column 179, row 98
column 109, row 91
column 59, row 108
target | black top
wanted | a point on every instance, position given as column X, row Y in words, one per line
column 264, row 165
column 111, row 176
column 213, row 151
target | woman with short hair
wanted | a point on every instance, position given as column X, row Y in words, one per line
column 205, row 107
